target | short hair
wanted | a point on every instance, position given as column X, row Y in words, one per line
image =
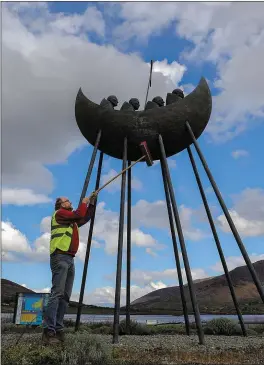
column 58, row 203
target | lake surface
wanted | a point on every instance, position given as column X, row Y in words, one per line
column 85, row 318
column 163, row 318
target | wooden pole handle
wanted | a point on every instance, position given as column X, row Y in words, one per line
column 120, row 173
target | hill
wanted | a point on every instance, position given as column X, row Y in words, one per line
column 10, row 288
column 213, row 294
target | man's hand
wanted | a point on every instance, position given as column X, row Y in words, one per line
column 93, row 198
column 85, row 200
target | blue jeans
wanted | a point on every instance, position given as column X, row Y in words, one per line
column 63, row 271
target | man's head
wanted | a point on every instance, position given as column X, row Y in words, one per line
column 178, row 92
column 64, row 203
column 158, row 100
column 135, row 103
column 113, row 100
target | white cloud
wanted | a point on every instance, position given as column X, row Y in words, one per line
column 247, row 228
column 43, row 290
column 173, row 71
column 155, row 215
column 172, row 163
column 13, row 240
column 106, row 295
column 151, row 252
column 16, row 247
column 247, row 213
column 23, row 197
column 239, row 153
column 44, row 59
column 106, row 231
column 90, row 21
column 214, row 38
column 142, row 277
column 236, row 261
column 115, row 186
column 105, row 234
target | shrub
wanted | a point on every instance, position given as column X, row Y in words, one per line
column 80, row 349
column 94, row 325
column 27, row 355
column 104, row 330
column 222, row 326
column 251, row 332
column 258, row 328
column 135, row 328
column 6, row 327
column 69, row 323
column 168, row 329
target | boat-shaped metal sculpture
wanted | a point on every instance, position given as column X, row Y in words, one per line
column 168, row 121
column 167, row 131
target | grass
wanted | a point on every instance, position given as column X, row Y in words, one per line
column 236, row 356
column 92, row 345
column 79, row 349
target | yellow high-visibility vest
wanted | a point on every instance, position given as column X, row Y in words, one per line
column 61, row 235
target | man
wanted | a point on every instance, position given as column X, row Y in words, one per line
column 64, row 243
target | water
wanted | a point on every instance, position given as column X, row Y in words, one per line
column 85, row 318
column 163, row 318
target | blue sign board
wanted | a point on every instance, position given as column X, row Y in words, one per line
column 29, row 308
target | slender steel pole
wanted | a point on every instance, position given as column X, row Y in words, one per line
column 227, row 215
column 128, row 249
column 88, row 248
column 182, row 243
column 149, row 82
column 217, row 241
column 120, row 248
column 175, row 247
column 90, row 168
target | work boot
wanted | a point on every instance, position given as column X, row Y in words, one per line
column 60, row 335
column 49, row 337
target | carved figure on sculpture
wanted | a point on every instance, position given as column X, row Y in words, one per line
column 175, row 96
column 110, row 103
column 156, row 102
column 132, row 105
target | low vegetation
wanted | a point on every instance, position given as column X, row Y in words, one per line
column 80, row 348
column 89, row 345
column 219, row 326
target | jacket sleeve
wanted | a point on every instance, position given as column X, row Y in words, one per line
column 67, row 216
column 89, row 213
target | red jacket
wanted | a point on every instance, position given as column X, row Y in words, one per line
column 79, row 217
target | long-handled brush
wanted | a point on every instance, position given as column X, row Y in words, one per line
column 145, row 155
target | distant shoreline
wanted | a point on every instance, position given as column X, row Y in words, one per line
column 165, row 313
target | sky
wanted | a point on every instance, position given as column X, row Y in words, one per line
column 49, row 51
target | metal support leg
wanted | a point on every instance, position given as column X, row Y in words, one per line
column 182, row 243
column 217, row 241
column 128, row 249
column 176, row 253
column 120, row 248
column 90, row 168
column 227, row 215
column 88, row 248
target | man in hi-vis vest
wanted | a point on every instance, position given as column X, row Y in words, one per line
column 64, row 243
